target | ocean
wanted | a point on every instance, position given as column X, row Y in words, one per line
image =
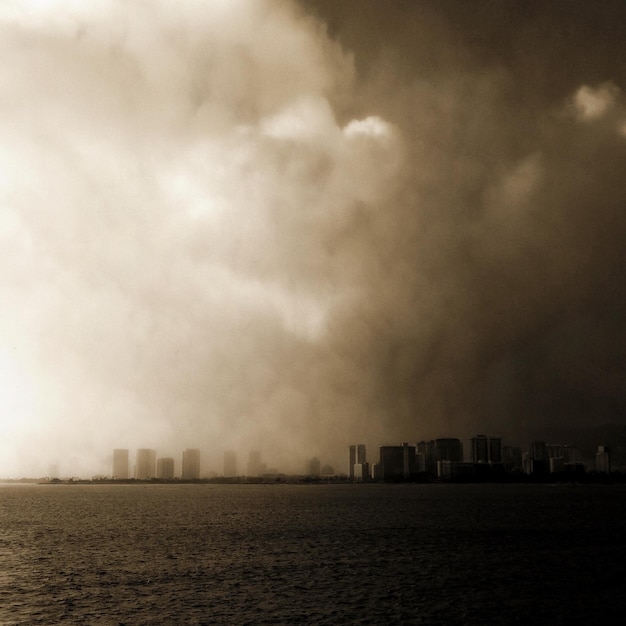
column 312, row 554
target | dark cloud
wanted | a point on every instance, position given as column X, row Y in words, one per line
column 498, row 290
column 294, row 226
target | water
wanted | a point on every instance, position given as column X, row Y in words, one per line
column 312, row 554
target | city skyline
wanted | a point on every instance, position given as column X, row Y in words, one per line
column 287, row 226
column 425, row 454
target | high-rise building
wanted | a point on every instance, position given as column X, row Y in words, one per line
column 538, row 451
column 512, row 458
column 313, row 467
column 426, row 460
column 145, row 464
column 120, row 464
column 357, row 457
column 398, row 462
column 480, row 449
column 165, row 468
column 537, row 461
column 255, row 466
column 191, row 464
column 486, row 449
column 495, row 450
column 449, row 449
column 230, row 463
column 603, row 460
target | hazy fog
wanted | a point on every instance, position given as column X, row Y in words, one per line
column 295, row 226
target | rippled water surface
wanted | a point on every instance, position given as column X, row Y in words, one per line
column 312, row 554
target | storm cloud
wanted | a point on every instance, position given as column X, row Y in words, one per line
column 237, row 225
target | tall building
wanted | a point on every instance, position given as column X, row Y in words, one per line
column 426, row 460
column 480, row 449
column 538, row 451
column 255, row 466
column 486, row 449
column 449, row 449
column 512, row 458
column 313, row 467
column 165, row 468
column 537, row 460
column 495, row 450
column 398, row 462
column 145, row 464
column 603, row 460
column 191, row 464
column 120, row 464
column 357, row 457
column 230, row 463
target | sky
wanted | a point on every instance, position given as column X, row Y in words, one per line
column 295, row 226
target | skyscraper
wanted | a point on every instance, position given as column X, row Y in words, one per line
column 191, row 464
column 230, row 463
column 120, row 464
column 449, row 449
column 255, row 466
column 165, row 468
column 486, row 449
column 603, row 460
column 480, row 449
column 357, row 457
column 146, row 464
column 398, row 462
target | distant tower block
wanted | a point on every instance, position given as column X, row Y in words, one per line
column 230, row 464
column 357, row 457
column 603, row 460
column 120, row 464
column 165, row 468
column 313, row 467
column 255, row 466
column 486, row 449
column 146, row 464
column 191, row 464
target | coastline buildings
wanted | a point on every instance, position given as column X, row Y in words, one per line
column 120, row 464
column 145, row 467
column 486, row 460
column 165, row 468
column 191, row 464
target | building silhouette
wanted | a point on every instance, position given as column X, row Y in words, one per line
column 603, row 460
column 230, row 463
column 191, row 464
column 486, row 449
column 357, row 457
column 426, row 460
column 536, row 461
column 397, row 462
column 145, row 466
column 512, row 458
column 165, row 468
column 120, row 464
column 313, row 467
column 255, row 466
column 449, row 449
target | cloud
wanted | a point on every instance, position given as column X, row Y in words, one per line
column 592, row 103
column 171, row 178
column 237, row 225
